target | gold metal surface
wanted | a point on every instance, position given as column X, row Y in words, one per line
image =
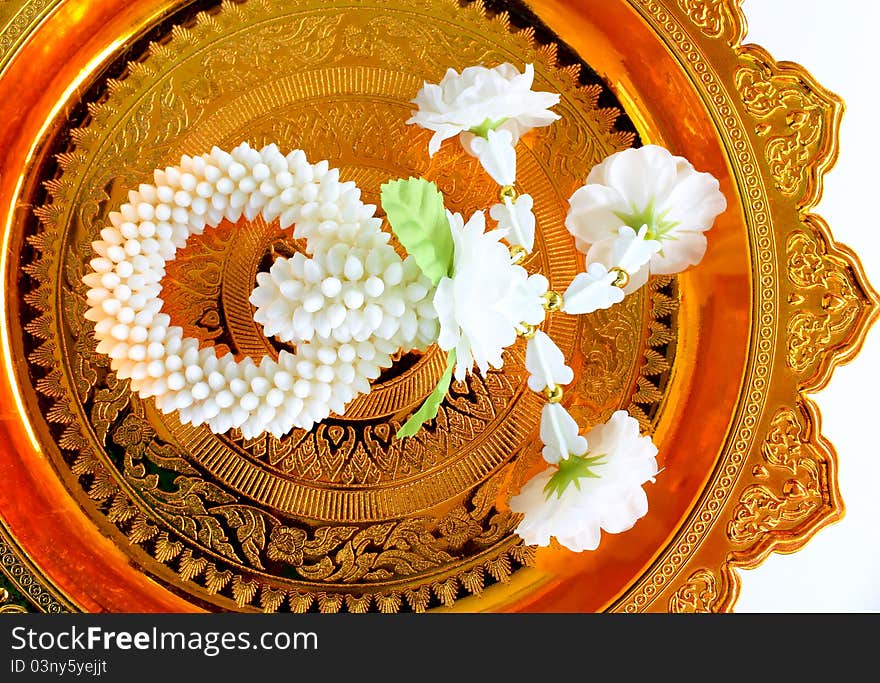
column 507, row 192
column 552, row 301
column 518, row 254
column 621, row 277
column 345, row 517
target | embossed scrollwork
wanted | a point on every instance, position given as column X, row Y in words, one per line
column 715, row 18
column 827, row 301
column 794, row 488
column 793, row 116
column 697, row 595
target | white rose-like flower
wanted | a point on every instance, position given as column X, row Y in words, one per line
column 480, row 99
column 487, row 298
column 646, row 187
column 610, row 498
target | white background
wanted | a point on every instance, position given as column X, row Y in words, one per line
column 839, row 569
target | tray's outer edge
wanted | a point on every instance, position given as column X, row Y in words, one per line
column 776, row 485
column 22, row 587
column 781, row 129
column 25, row 586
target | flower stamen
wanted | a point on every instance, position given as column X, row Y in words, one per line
column 658, row 226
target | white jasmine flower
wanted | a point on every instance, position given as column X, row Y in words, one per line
column 518, row 219
column 559, row 433
column 487, row 298
column 545, row 363
column 646, row 187
column 497, row 155
column 480, row 99
column 600, row 491
column 592, row 290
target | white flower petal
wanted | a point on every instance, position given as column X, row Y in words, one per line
column 538, row 525
column 630, row 508
column 559, row 432
column 634, row 454
column 481, row 306
column 464, row 360
column 695, row 201
column 539, row 285
column 591, row 291
column 450, row 334
column 641, row 175
column 603, row 253
column 546, row 363
column 443, row 132
column 674, row 257
column 593, row 214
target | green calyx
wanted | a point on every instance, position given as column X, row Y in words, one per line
column 483, row 129
column 658, row 226
column 571, row 471
column 428, row 410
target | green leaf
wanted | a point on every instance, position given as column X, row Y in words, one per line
column 571, row 471
column 417, row 216
column 429, row 408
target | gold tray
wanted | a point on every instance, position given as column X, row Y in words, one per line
column 106, row 505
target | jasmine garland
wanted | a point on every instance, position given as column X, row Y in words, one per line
column 640, row 212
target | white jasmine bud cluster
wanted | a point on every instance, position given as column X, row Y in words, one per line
column 348, row 307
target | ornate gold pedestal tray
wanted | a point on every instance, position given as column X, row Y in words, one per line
column 108, row 505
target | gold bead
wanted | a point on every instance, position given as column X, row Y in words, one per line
column 507, row 192
column 621, row 277
column 4, row 595
column 527, row 331
column 553, row 394
column 552, row 300
column 518, row 254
